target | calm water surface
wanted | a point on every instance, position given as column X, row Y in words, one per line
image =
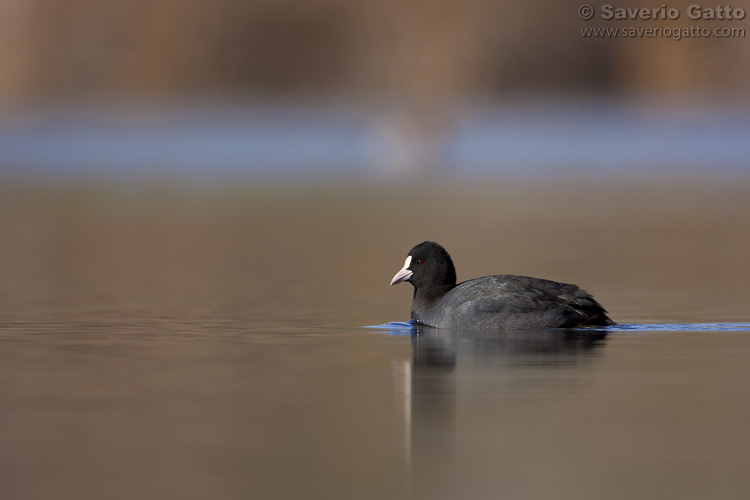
column 156, row 344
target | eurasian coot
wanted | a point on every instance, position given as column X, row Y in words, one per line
column 493, row 302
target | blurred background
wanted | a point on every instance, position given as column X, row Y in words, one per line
column 293, row 90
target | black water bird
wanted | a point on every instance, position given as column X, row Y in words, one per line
column 493, row 302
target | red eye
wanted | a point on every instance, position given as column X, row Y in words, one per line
column 420, row 261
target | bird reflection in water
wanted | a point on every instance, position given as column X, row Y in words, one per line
column 457, row 379
column 440, row 348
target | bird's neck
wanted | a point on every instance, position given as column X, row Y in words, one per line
column 425, row 295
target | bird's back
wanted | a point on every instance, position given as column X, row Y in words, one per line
column 512, row 302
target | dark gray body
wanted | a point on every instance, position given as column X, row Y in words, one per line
column 507, row 302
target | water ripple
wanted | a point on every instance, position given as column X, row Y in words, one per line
column 406, row 328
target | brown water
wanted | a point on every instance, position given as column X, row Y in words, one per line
column 207, row 343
